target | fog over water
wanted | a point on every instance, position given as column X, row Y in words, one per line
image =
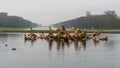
column 53, row 11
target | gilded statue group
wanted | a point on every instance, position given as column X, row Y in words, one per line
column 62, row 34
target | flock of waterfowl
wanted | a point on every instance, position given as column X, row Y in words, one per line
column 62, row 34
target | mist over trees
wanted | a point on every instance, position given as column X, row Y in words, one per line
column 108, row 20
column 14, row 22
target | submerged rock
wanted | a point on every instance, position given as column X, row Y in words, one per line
column 6, row 45
column 13, row 49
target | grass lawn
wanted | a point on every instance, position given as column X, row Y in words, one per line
column 46, row 31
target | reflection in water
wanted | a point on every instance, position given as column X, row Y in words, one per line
column 3, row 39
column 76, row 54
column 50, row 42
column 58, row 44
column 61, row 44
column 83, row 43
column 110, row 44
column 76, row 45
column 96, row 42
column 31, row 42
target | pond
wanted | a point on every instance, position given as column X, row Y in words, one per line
column 52, row 54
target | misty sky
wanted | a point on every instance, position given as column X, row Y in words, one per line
column 53, row 11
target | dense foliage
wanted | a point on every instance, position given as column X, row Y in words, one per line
column 108, row 20
column 14, row 22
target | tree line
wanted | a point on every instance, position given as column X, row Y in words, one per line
column 108, row 20
column 14, row 22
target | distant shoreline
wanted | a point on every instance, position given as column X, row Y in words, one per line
column 46, row 31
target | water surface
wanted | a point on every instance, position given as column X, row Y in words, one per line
column 52, row 54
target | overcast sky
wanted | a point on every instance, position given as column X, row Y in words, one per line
column 53, row 11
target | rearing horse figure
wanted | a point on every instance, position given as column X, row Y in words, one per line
column 83, row 34
column 58, row 33
column 50, row 35
column 63, row 31
column 76, row 34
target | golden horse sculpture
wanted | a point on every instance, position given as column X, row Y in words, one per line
column 42, row 36
column 31, row 36
column 58, row 33
column 76, row 34
column 96, row 36
column 61, row 34
column 50, row 35
column 83, row 35
column 103, row 37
